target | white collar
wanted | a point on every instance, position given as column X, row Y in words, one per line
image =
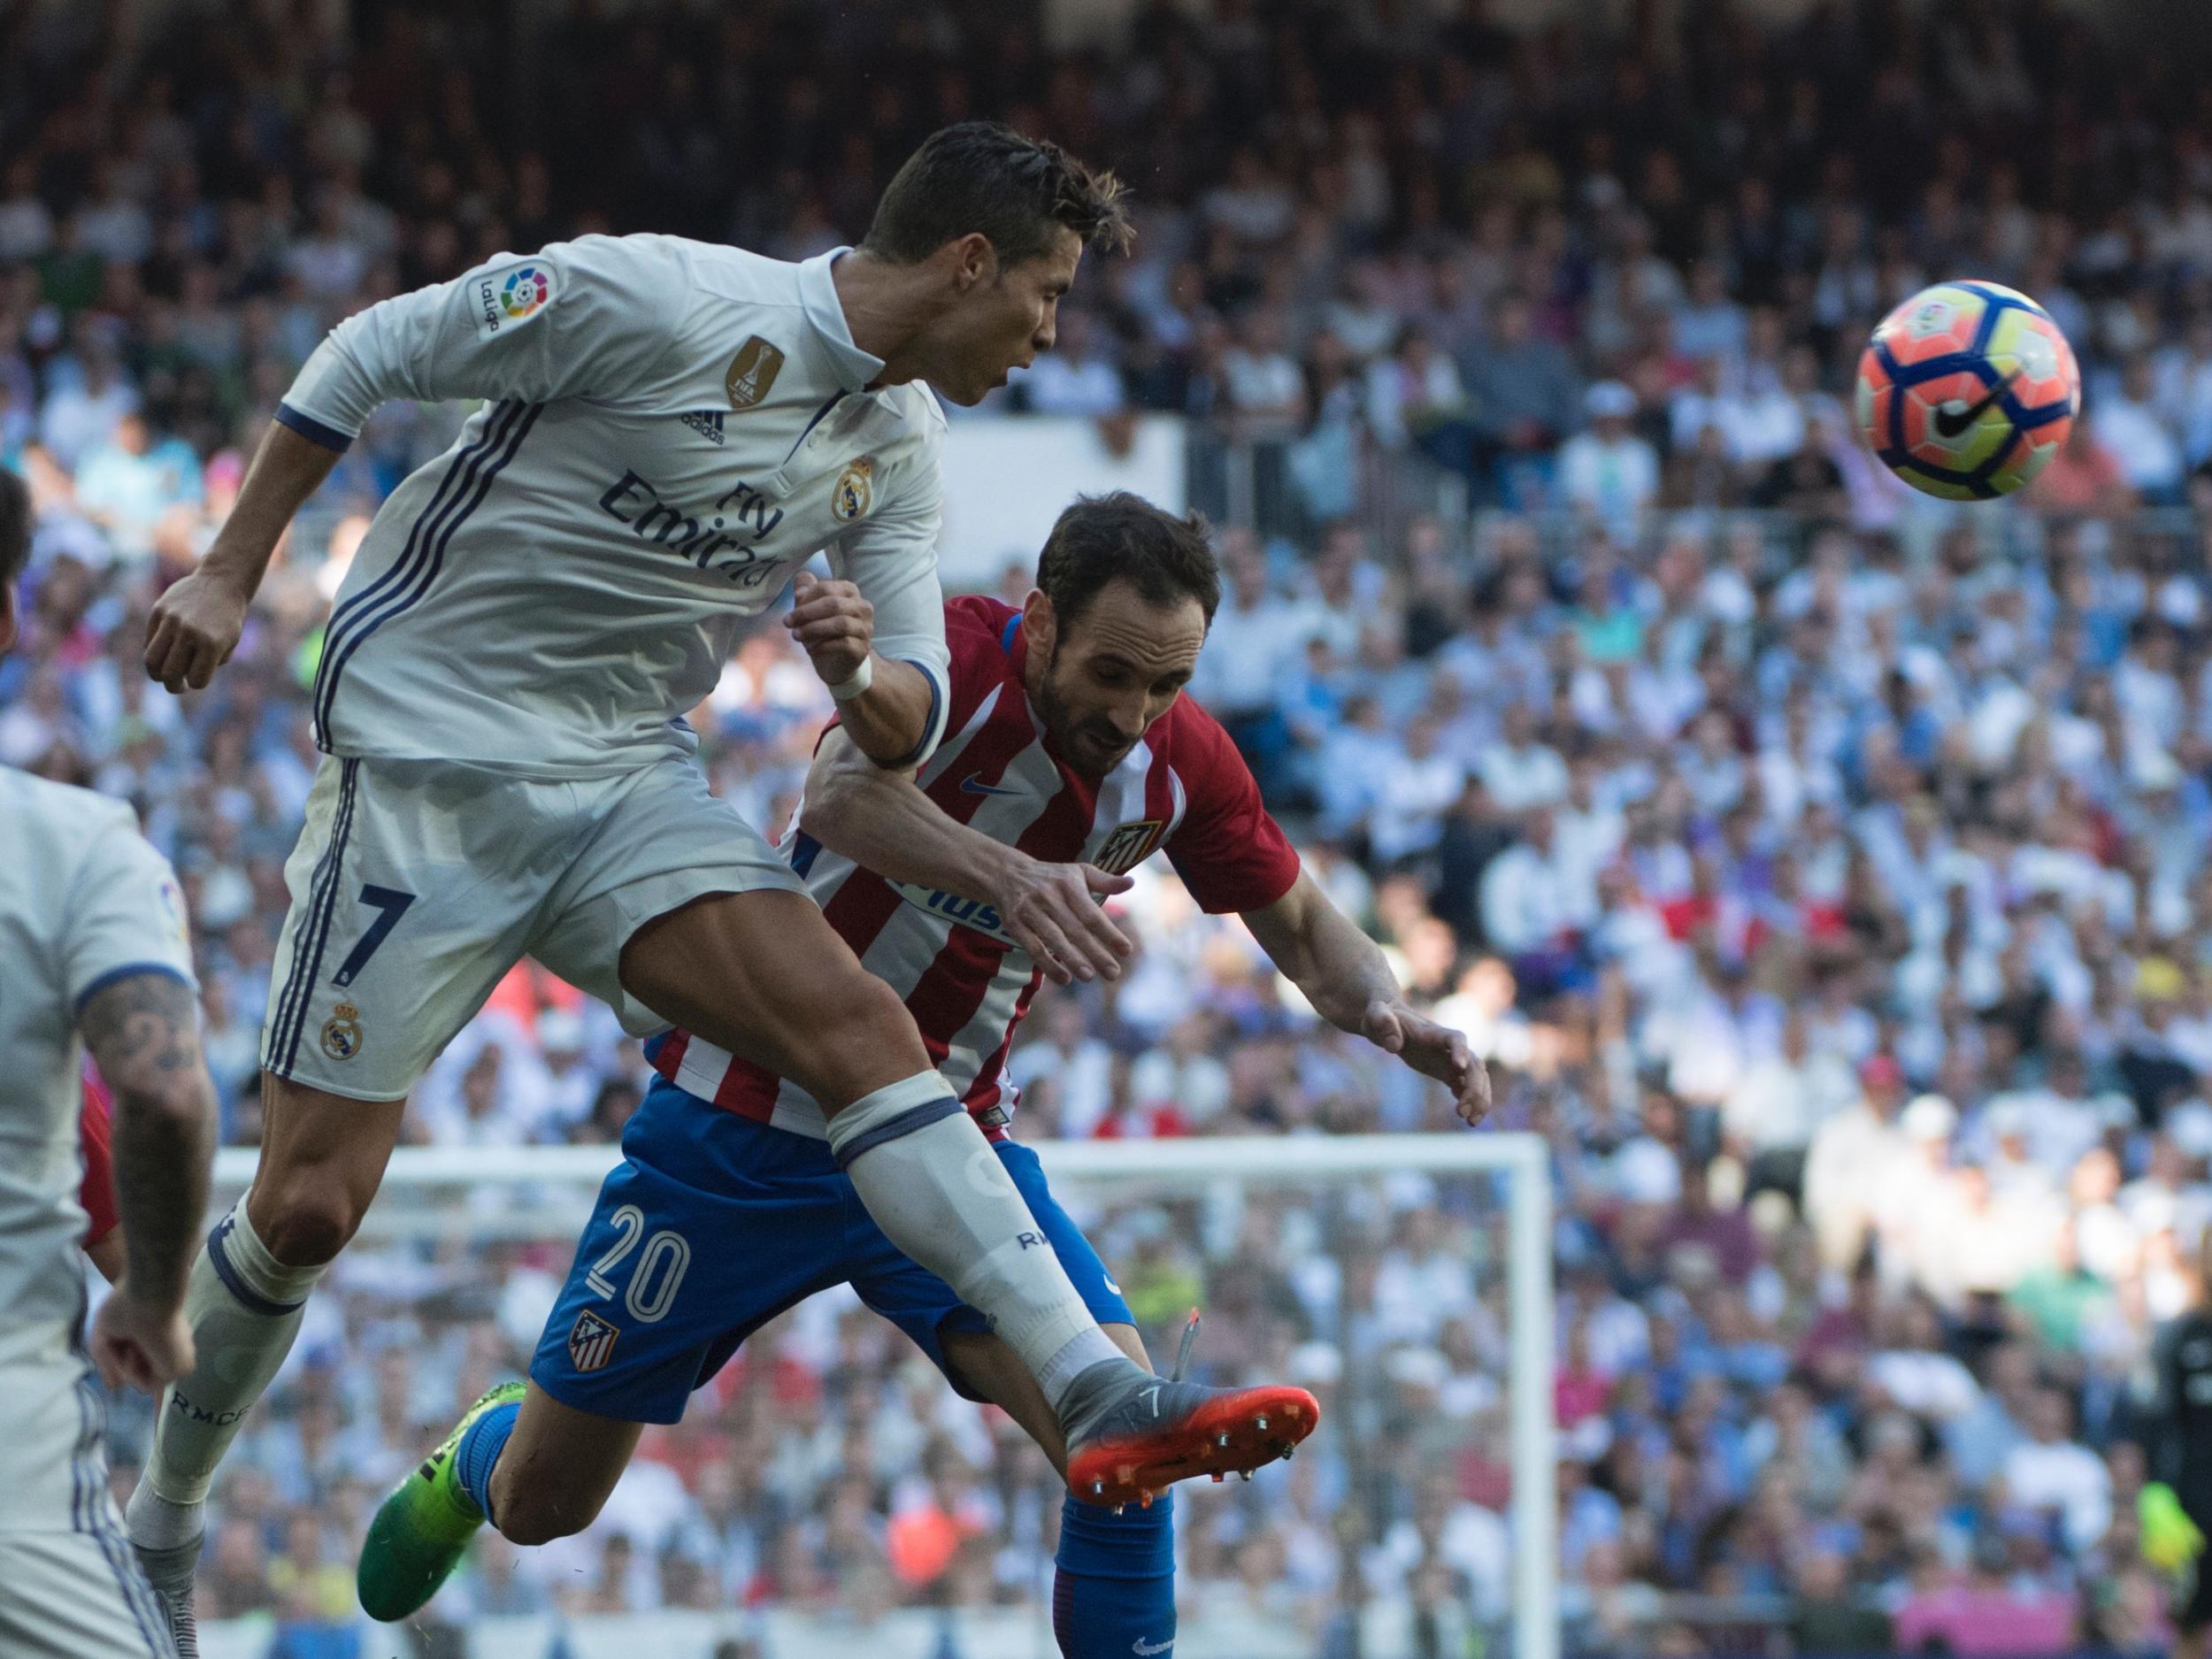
column 817, row 295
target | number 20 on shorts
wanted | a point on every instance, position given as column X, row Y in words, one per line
column 659, row 1272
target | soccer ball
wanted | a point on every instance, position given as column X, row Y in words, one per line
column 1967, row 390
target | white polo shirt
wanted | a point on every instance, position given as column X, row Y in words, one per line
column 670, row 428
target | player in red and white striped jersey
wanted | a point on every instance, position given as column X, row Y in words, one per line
column 1180, row 787
column 1072, row 755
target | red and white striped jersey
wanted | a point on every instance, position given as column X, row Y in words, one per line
column 1184, row 790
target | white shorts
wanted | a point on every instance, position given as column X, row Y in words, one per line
column 417, row 885
column 78, row 1595
column 70, row 1585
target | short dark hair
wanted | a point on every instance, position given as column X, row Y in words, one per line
column 15, row 526
column 1124, row 537
column 979, row 176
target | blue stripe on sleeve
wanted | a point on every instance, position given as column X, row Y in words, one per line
column 311, row 429
column 165, row 970
column 920, row 751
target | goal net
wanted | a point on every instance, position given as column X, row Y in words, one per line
column 828, row 1491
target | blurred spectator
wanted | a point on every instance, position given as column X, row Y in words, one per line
column 1608, row 471
column 1072, row 379
column 1745, row 807
column 2149, row 447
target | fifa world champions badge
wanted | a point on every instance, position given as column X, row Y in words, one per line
column 752, row 372
column 342, row 1033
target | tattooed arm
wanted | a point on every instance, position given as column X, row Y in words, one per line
column 143, row 1032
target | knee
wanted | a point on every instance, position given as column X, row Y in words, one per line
column 304, row 1220
column 871, row 1042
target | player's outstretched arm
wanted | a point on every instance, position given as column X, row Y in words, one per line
column 879, row 818
column 196, row 623
column 143, row 1031
column 1344, row 975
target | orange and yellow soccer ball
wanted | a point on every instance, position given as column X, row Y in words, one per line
column 1967, row 390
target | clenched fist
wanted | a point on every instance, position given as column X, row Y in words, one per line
column 194, row 629
column 835, row 625
column 148, row 1345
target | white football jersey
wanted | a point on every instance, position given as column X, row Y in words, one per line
column 84, row 901
column 671, row 429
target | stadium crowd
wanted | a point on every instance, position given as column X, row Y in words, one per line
column 1824, row 871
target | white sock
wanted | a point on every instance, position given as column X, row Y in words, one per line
column 939, row 1192
column 244, row 1307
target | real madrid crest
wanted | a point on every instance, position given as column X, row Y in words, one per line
column 849, row 500
column 342, row 1033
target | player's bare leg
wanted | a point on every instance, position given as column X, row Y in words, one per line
column 537, row 1469
column 322, row 1159
column 559, row 1470
column 764, row 975
column 551, row 1468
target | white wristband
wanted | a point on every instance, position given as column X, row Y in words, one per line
column 864, row 676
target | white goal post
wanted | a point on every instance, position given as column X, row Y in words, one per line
column 1521, row 1158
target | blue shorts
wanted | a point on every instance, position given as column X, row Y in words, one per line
column 712, row 1226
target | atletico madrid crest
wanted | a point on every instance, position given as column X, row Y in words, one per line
column 1129, row 846
column 591, row 1341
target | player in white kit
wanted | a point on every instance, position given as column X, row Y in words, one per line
column 92, row 953
column 671, row 430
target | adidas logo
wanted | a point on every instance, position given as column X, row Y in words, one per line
column 706, row 422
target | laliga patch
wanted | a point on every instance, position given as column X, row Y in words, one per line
column 172, row 912
column 591, row 1341
column 511, row 296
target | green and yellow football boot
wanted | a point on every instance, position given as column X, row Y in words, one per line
column 423, row 1529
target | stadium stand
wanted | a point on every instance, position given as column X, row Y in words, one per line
column 1823, row 868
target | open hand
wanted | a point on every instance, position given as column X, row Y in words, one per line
column 1433, row 1050
column 1052, row 912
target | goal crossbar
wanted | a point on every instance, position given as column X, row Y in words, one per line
column 1523, row 1159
